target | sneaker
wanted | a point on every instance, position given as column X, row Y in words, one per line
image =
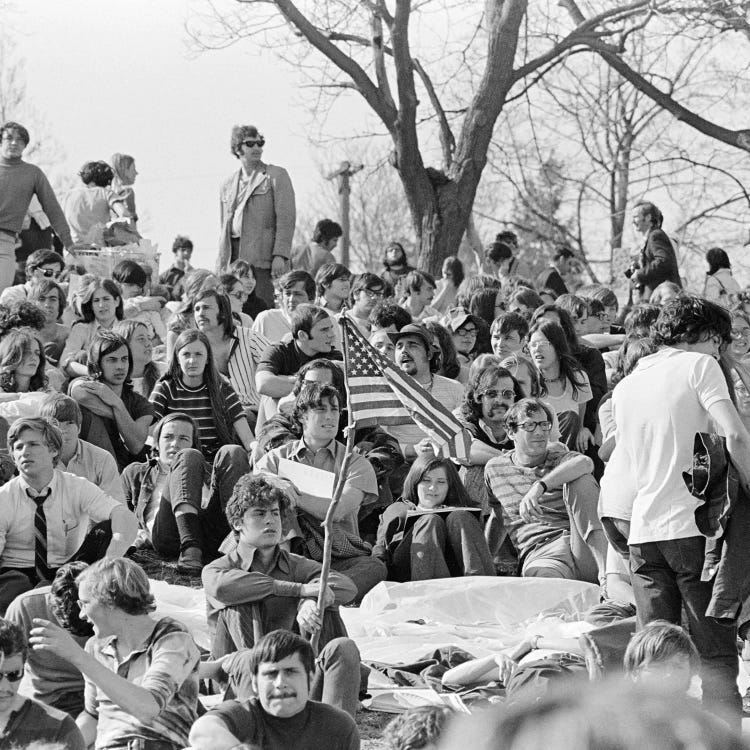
column 191, row 561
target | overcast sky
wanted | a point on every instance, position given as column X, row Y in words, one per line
column 118, row 76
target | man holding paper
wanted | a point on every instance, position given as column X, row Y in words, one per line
column 320, row 458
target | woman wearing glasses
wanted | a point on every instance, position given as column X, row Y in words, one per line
column 565, row 386
column 257, row 212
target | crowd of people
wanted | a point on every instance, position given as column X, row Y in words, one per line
column 202, row 417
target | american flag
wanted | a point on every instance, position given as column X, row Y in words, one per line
column 381, row 394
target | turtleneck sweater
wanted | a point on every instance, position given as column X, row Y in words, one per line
column 19, row 182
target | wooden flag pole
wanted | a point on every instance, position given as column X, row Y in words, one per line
column 338, row 489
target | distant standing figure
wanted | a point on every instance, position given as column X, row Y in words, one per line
column 552, row 276
column 720, row 284
column 257, row 212
column 656, row 261
column 19, row 183
column 125, row 173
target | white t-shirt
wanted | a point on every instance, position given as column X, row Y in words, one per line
column 658, row 408
column 569, row 399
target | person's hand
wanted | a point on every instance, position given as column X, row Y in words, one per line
column 103, row 392
column 278, row 266
column 310, row 591
column 308, row 617
column 529, row 508
column 424, row 448
column 506, row 667
column 584, row 439
column 48, row 637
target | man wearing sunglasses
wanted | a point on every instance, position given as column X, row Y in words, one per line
column 23, row 720
column 546, row 498
column 41, row 264
column 257, row 213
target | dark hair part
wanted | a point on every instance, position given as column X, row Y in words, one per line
column 483, row 303
column 508, row 322
column 640, row 319
column 12, row 639
column 50, row 434
column 507, row 236
column 649, row 209
column 566, row 322
column 365, row 280
column 98, row 172
column 176, row 416
column 456, row 269
column 562, row 251
column 337, row 376
column 14, row 346
column 327, row 274
column 85, row 298
column 688, row 319
column 42, row 257
column 516, row 360
column 526, row 297
column 6, row 127
column 239, row 133
column 630, row 353
column 498, row 251
column 60, row 408
column 658, row 641
column 523, row 409
column 449, row 365
column 716, row 259
column 126, row 329
column 253, row 492
column 224, row 316
column 290, row 278
column 64, row 599
column 326, row 230
column 599, row 292
column 129, row 272
column 211, row 378
column 387, row 313
column 181, row 242
column 104, row 343
column 305, row 317
column 121, row 583
column 570, row 369
column 277, row 646
column 314, row 396
column 398, row 246
column 415, row 281
column 575, row 306
column 457, row 494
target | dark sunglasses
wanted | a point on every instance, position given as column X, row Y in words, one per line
column 48, row 272
column 13, row 676
column 250, row 142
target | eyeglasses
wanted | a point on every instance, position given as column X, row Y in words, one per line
column 466, row 332
column 48, row 272
column 603, row 316
column 740, row 332
column 539, row 345
column 240, row 296
column 250, row 142
column 8, row 138
column 13, row 676
column 530, row 425
column 372, row 294
column 507, row 394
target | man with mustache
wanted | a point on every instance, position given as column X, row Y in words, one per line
column 545, row 498
column 281, row 716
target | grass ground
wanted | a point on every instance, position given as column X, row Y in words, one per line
column 370, row 723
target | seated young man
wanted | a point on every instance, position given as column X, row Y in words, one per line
column 295, row 288
column 312, row 338
column 45, row 513
column 167, row 492
column 282, row 716
column 317, row 411
column 260, row 587
column 52, row 679
column 41, row 264
column 509, row 334
column 78, row 456
column 546, row 499
column 26, row 721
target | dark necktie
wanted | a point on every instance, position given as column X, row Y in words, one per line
column 40, row 536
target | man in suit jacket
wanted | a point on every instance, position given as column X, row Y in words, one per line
column 657, row 261
column 257, row 213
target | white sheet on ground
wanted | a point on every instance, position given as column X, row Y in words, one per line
column 401, row 622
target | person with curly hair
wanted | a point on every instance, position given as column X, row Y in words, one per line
column 50, row 296
column 22, row 363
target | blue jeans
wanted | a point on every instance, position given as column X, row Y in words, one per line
column 666, row 576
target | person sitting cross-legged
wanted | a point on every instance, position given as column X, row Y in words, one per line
column 546, row 498
column 167, row 491
column 317, row 411
column 260, row 587
column 45, row 513
column 282, row 716
column 434, row 531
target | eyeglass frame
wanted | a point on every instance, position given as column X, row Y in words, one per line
column 15, row 675
column 537, row 423
column 252, row 142
column 490, row 393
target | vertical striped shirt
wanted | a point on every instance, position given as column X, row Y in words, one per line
column 173, row 395
column 245, row 353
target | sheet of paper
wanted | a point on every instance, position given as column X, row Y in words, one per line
column 308, row 479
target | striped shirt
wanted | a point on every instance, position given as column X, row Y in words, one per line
column 173, row 395
column 245, row 353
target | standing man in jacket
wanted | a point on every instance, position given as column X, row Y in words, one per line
column 657, row 261
column 257, row 213
column 19, row 183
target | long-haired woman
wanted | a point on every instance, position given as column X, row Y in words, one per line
column 145, row 372
column 434, row 530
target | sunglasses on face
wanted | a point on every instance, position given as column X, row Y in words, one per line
column 48, row 272
column 250, row 142
column 530, row 425
column 13, row 676
column 508, row 394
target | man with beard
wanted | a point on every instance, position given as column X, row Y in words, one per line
column 546, row 498
column 417, row 355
